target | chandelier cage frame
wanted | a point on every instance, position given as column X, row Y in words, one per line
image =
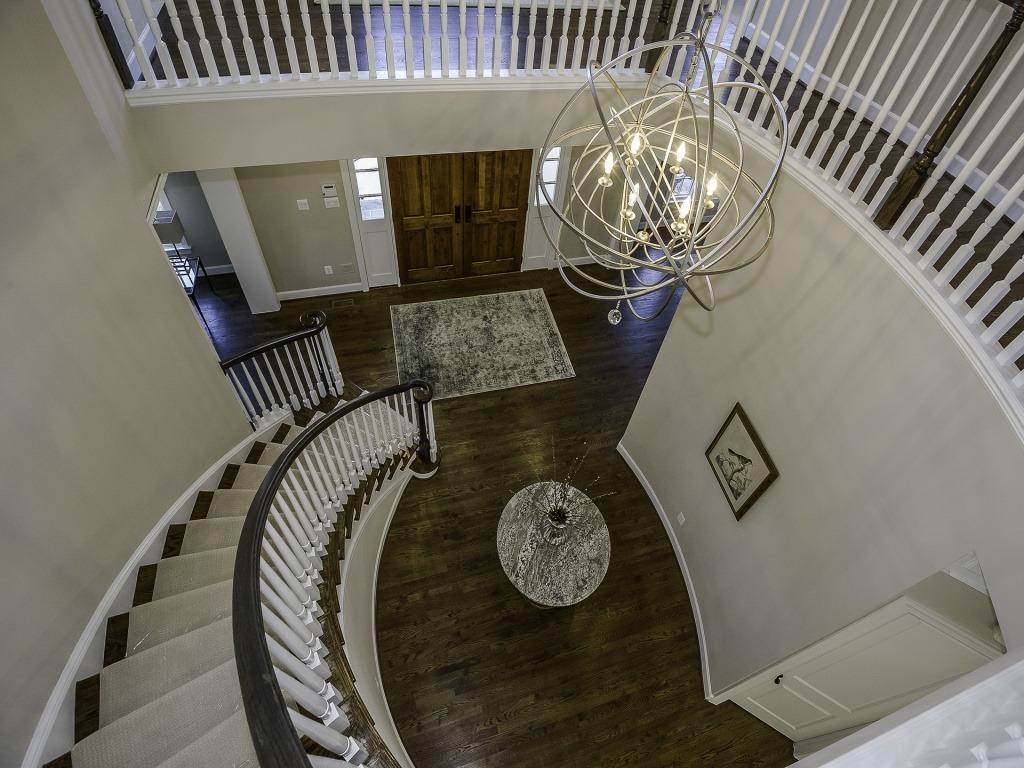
column 639, row 156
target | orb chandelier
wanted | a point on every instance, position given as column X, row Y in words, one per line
column 662, row 191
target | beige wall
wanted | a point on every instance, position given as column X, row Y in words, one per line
column 894, row 459
column 297, row 244
column 187, row 198
column 113, row 403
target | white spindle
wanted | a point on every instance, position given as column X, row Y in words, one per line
column 480, row 15
column 924, row 86
column 140, row 53
column 253, row 414
column 410, row 59
column 355, row 441
column 531, row 40
column 292, row 640
column 204, row 44
column 225, row 41
column 805, row 53
column 624, row 39
column 634, row 63
column 463, row 41
column 311, row 55
column 183, row 47
column 578, row 43
column 313, row 496
column 289, row 40
column 431, row 432
column 1008, row 318
column 332, row 50
column 292, row 552
column 316, row 363
column 324, row 448
column 330, row 739
column 298, row 521
column 563, row 40
column 834, row 80
column 1011, row 351
column 446, row 62
column 407, row 414
column 787, row 50
column 298, row 624
column 291, row 397
column 304, row 382
column 247, row 45
column 292, row 581
column 266, row 413
column 428, row 46
column 312, row 702
column 328, row 494
column 677, row 69
column 371, row 444
column 263, row 383
column 545, row 51
column 371, row 45
column 952, row 152
column 496, row 51
column 268, row 42
column 996, row 293
column 513, row 41
column 389, row 43
column 280, row 399
column 162, row 52
column 350, row 40
column 284, row 659
column 342, row 441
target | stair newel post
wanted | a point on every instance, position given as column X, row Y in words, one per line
column 912, row 179
column 140, row 52
column 404, row 401
column 110, row 39
column 422, row 396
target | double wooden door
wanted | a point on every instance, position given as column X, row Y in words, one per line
column 459, row 215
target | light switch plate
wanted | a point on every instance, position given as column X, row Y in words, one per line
column 303, row 205
column 332, row 202
column 328, row 269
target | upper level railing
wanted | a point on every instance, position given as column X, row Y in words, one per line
column 291, row 539
column 294, row 371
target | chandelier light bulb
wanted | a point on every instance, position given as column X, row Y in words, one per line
column 627, row 212
column 609, row 162
column 636, row 144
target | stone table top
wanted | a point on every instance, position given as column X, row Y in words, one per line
column 553, row 544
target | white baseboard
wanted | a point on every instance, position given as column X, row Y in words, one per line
column 977, row 178
column 54, row 733
column 327, row 290
column 701, row 641
column 220, row 269
column 540, row 261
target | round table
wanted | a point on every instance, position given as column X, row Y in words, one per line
column 553, row 544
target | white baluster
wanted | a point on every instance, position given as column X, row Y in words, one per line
column 328, row 345
column 389, row 44
column 329, row 478
column 348, row 748
column 446, row 62
column 624, row 40
column 563, row 40
column 314, row 395
column 428, row 45
column 356, row 443
column 311, row 55
column 499, row 12
column 332, row 48
column 595, row 39
column 407, row 413
column 531, row 41
column 296, row 512
column 268, row 42
column 292, row 640
column 1008, row 318
column 183, row 47
column 302, row 389
column 952, row 152
column 341, row 444
column 289, row 40
column 312, row 702
column 634, row 63
column 266, row 413
column 371, row 45
column 294, row 645
column 280, row 398
column 350, row 40
column 162, row 52
column 289, row 578
column 301, row 620
column 480, row 14
column 247, row 45
column 787, row 50
column 293, row 553
column 1011, row 351
column 317, row 364
column 805, row 52
column 140, row 53
column 263, row 383
column 513, row 41
column 313, row 496
column 226, row 45
column 283, row 659
column 432, row 432
column 250, row 410
column 798, row 118
column 924, row 86
column 545, row 51
column 844, row 145
column 691, row 23
column 325, row 449
column 291, row 398
column 204, row 44
column 996, row 293
column 463, row 41
column 410, row 58
column 579, row 41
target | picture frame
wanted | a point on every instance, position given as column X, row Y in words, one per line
column 740, row 462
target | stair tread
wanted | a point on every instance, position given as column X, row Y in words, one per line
column 228, row 745
column 207, row 534
column 271, row 453
column 250, row 476
column 230, row 502
column 157, row 622
column 155, row 732
column 185, row 573
column 143, row 677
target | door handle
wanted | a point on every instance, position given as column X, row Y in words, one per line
column 458, row 214
column 469, row 213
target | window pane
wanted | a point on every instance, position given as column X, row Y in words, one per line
column 368, row 182
column 365, row 163
column 371, row 208
column 549, row 171
column 553, row 154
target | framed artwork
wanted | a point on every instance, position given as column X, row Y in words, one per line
column 740, row 462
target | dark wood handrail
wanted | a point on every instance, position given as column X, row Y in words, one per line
column 274, row 738
column 312, row 323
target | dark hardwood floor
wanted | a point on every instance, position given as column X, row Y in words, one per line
column 474, row 674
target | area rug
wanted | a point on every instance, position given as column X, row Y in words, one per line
column 479, row 343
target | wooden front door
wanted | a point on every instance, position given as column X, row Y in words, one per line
column 459, row 215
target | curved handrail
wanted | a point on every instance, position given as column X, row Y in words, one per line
column 274, row 737
column 312, row 323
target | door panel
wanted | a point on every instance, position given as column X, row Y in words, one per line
column 460, row 215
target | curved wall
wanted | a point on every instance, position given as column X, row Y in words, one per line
column 894, row 459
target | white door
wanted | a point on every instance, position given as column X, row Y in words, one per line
column 366, row 190
column 538, row 253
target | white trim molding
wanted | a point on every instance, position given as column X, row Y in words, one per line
column 701, row 640
column 86, row 658
column 327, row 290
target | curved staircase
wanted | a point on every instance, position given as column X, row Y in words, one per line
column 169, row 695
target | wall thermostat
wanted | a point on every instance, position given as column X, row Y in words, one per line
column 329, row 190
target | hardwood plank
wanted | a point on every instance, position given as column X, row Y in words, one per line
column 172, row 541
column 115, row 646
column 87, row 707
column 145, row 582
